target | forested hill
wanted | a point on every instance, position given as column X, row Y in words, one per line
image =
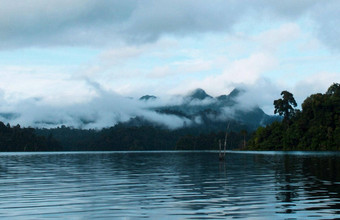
column 315, row 127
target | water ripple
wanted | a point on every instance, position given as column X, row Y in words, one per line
column 169, row 185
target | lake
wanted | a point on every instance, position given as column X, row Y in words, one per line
column 170, row 185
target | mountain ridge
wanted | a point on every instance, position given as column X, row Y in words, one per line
column 196, row 109
column 204, row 110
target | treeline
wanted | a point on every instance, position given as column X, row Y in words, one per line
column 145, row 137
column 315, row 127
column 24, row 139
column 119, row 137
column 234, row 140
column 122, row 136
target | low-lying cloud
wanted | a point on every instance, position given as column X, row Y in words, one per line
column 104, row 110
column 107, row 108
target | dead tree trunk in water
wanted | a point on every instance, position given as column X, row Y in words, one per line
column 222, row 154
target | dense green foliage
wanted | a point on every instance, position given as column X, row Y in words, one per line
column 119, row 137
column 123, row 136
column 284, row 106
column 315, row 127
column 235, row 140
column 23, row 139
column 145, row 137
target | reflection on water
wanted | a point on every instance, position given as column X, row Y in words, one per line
column 169, row 185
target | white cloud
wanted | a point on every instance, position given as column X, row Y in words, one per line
column 51, row 84
column 246, row 70
column 161, row 71
column 264, row 91
column 316, row 83
column 260, row 93
column 274, row 38
column 103, row 110
column 327, row 18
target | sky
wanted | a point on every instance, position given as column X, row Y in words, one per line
column 74, row 57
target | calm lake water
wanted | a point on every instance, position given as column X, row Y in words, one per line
column 169, row 185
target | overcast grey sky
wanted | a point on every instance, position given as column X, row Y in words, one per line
column 52, row 53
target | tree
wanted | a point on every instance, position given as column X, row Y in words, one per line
column 315, row 127
column 284, row 106
column 334, row 89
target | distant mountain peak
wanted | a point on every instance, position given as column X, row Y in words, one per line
column 236, row 92
column 147, row 97
column 231, row 96
column 199, row 94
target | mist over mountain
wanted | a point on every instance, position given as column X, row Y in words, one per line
column 196, row 109
column 112, row 122
column 203, row 110
column 199, row 94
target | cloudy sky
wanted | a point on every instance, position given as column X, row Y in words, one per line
column 57, row 54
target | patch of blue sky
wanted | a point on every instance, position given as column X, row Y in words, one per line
column 65, row 56
column 296, row 64
column 251, row 25
column 302, row 57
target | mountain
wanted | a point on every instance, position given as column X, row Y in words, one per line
column 147, row 98
column 199, row 94
column 212, row 113
column 205, row 119
column 196, row 110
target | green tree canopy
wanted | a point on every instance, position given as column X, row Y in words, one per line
column 334, row 89
column 284, row 106
column 315, row 127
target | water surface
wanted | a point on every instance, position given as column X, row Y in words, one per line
column 170, row 185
